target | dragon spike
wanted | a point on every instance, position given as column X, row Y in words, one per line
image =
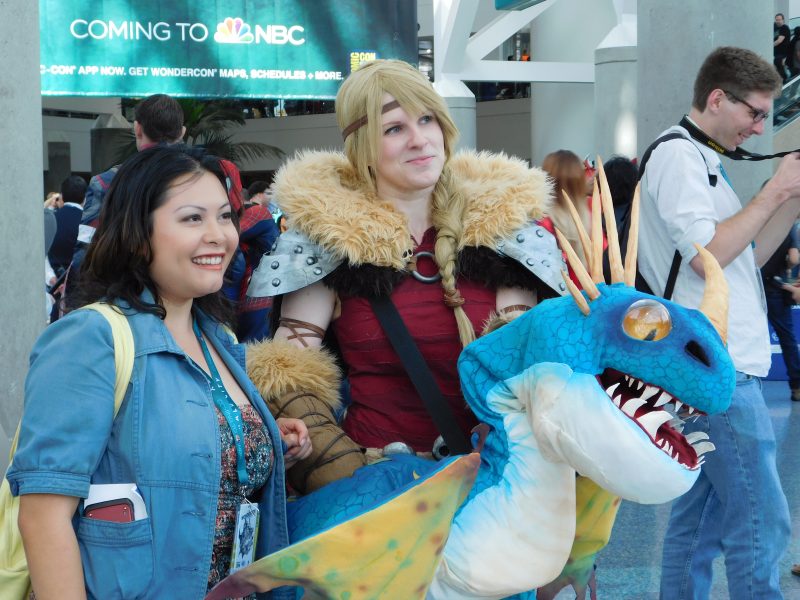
column 633, row 241
column 614, row 256
column 577, row 266
column 576, row 294
column 584, row 237
column 596, row 259
column 715, row 296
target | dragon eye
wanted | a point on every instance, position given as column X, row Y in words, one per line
column 647, row 320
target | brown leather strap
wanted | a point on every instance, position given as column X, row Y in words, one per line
column 514, row 308
column 292, row 325
column 359, row 123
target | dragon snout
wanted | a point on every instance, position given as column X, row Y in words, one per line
column 696, row 351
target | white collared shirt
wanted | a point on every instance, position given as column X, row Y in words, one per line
column 679, row 208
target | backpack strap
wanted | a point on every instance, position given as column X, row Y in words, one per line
column 672, row 277
column 124, row 351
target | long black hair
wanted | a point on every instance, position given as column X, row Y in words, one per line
column 117, row 263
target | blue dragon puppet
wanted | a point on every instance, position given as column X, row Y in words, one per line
column 597, row 383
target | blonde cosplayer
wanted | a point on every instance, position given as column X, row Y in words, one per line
column 359, row 106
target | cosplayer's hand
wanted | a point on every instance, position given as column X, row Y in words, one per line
column 295, row 435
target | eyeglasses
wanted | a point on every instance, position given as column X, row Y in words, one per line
column 757, row 114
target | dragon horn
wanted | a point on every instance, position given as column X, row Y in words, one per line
column 633, row 241
column 614, row 256
column 577, row 266
column 596, row 259
column 584, row 237
column 715, row 296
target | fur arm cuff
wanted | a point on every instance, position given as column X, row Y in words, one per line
column 278, row 367
column 497, row 319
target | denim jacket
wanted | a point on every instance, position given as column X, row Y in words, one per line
column 165, row 439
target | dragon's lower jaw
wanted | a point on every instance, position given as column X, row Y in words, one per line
column 659, row 415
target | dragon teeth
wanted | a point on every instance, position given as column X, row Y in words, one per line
column 696, row 436
column 611, row 389
column 639, row 385
column 663, row 399
column 617, row 400
column 651, row 421
column 678, row 405
column 630, row 407
column 703, row 447
column 649, row 392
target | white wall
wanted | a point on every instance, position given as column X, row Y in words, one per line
column 74, row 131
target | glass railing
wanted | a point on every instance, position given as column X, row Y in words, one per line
column 786, row 108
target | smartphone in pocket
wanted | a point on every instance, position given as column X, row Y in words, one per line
column 119, row 510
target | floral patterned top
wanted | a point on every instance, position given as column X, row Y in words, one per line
column 259, row 458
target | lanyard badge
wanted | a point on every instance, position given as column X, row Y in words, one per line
column 244, row 538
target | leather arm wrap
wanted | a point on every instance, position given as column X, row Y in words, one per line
column 303, row 383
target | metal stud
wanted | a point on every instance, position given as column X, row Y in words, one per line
column 317, row 271
column 276, row 282
column 274, row 246
column 311, row 260
column 298, row 249
column 539, row 232
column 529, row 262
column 275, row 264
column 520, row 238
column 562, row 287
column 546, row 263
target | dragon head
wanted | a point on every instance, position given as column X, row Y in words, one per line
column 612, row 373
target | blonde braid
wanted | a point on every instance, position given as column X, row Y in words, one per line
column 447, row 216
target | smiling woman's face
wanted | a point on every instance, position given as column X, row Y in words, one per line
column 193, row 239
column 411, row 156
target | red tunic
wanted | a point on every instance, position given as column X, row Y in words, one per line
column 386, row 408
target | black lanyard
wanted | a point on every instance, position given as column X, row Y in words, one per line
column 737, row 154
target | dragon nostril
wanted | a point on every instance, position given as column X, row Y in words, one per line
column 696, row 351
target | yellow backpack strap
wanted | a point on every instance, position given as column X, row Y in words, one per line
column 124, row 350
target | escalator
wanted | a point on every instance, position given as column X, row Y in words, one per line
column 786, row 108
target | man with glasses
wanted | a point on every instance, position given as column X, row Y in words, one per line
column 737, row 506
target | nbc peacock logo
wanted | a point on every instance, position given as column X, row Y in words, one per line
column 233, row 31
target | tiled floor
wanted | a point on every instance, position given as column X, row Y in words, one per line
column 629, row 567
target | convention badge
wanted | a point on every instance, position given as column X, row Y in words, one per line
column 244, row 538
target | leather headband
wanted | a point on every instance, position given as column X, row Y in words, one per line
column 359, row 123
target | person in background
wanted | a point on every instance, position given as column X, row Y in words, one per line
column 622, row 176
column 776, row 273
column 736, row 506
column 166, row 237
column 780, row 43
column 68, row 220
column 568, row 173
column 793, row 58
column 158, row 119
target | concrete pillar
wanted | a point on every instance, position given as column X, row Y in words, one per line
column 672, row 46
column 615, row 101
column 615, row 87
column 22, row 310
column 562, row 114
column 461, row 102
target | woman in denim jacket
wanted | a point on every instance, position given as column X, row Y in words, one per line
column 192, row 434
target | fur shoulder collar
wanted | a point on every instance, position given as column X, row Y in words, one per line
column 324, row 199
